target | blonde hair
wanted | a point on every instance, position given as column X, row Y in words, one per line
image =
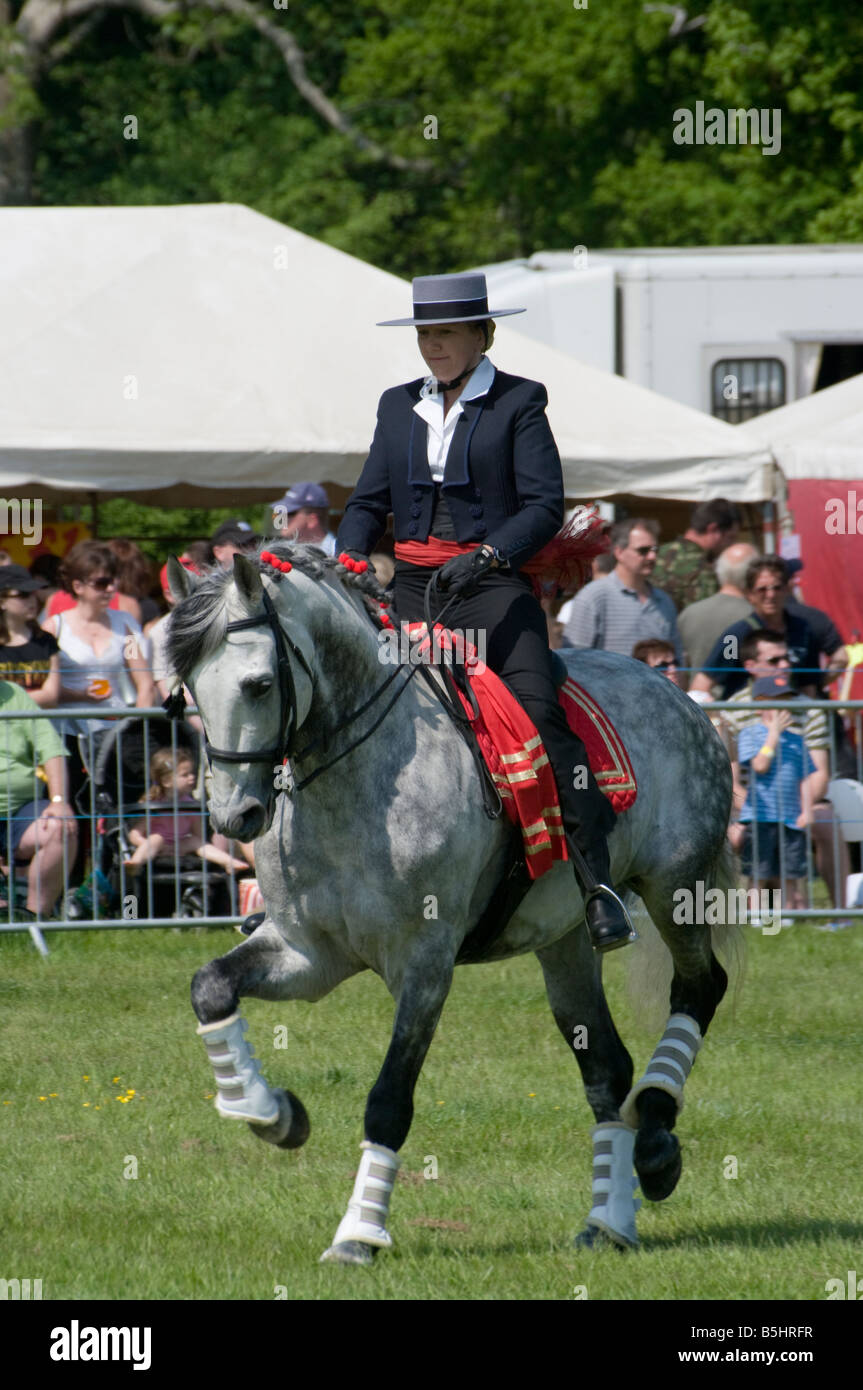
column 164, row 763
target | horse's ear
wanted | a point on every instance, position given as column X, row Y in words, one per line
column 247, row 578
column 181, row 581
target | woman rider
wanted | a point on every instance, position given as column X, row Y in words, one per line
column 466, row 462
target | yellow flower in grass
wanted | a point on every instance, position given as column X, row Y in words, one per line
column 115, row 1080
column 86, row 1105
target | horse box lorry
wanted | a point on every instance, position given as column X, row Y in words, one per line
column 731, row 330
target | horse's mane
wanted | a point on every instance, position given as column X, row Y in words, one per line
column 198, row 623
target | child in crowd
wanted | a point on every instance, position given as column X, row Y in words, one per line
column 172, row 774
column 772, row 814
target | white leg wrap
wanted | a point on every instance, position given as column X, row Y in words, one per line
column 366, row 1216
column 614, row 1204
column 669, row 1066
column 243, row 1092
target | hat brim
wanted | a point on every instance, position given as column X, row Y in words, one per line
column 467, row 318
column 31, row 585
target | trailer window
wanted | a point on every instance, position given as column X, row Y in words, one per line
column 742, row 387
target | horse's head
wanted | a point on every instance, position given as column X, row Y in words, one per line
column 276, row 645
column 242, row 642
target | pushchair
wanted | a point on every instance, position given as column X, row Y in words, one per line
column 180, row 886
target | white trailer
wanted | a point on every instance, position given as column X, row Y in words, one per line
column 731, row 330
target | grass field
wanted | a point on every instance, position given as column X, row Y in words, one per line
column 102, row 1066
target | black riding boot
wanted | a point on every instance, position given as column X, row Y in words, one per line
column 607, row 919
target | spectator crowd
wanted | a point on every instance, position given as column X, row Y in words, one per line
column 706, row 611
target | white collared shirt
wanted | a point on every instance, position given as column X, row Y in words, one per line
column 430, row 407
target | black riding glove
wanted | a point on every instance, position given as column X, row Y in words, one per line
column 460, row 574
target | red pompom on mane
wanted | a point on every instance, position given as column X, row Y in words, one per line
column 356, row 566
column 269, row 558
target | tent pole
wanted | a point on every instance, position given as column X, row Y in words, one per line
column 768, row 513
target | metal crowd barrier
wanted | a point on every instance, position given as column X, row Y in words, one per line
column 102, row 895
column 845, row 824
column 97, row 890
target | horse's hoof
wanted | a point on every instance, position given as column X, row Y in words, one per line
column 593, row 1238
column 349, row 1252
column 658, row 1163
column 291, row 1129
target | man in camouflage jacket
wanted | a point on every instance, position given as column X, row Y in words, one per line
column 685, row 567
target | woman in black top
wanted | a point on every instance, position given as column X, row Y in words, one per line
column 29, row 656
column 467, row 463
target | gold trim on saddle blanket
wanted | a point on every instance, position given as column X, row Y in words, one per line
column 620, row 775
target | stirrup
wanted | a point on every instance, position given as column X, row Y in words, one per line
column 613, row 939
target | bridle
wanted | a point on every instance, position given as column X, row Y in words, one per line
column 287, row 688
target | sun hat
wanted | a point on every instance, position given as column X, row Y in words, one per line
column 459, row 298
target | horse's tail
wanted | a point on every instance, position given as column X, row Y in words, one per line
column 650, row 965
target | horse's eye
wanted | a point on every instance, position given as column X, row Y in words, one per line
column 258, row 688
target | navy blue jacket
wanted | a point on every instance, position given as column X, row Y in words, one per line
column 502, row 482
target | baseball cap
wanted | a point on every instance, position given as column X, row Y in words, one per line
column 16, row 577
column 234, row 532
column 304, row 495
column 772, row 685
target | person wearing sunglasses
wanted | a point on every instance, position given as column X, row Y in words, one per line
column 103, row 652
column 29, row 656
column 659, row 656
column 625, row 608
column 767, row 590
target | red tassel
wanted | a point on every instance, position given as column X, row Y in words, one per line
column 567, row 559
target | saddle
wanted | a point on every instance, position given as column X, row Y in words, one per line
column 515, row 770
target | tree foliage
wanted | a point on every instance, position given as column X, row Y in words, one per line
column 553, row 124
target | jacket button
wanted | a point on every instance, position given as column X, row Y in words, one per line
column 476, row 511
column 477, row 494
column 418, row 497
column 415, row 510
column 480, row 528
column 412, row 529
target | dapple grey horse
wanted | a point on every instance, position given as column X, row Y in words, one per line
column 358, row 819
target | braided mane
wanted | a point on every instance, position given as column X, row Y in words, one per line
column 198, row 623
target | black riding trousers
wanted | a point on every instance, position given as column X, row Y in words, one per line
column 505, row 611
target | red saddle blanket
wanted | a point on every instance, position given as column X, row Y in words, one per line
column 515, row 756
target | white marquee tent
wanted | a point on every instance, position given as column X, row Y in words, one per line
column 819, row 436
column 206, row 353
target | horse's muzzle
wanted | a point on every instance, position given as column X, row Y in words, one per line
column 248, row 819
